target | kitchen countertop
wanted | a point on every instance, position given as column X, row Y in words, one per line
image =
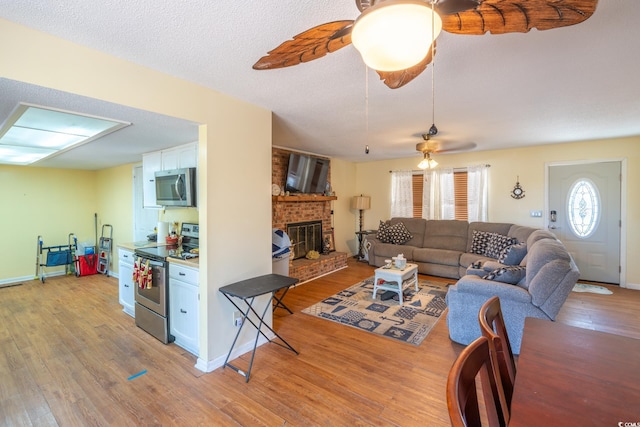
column 132, row 246
column 191, row 262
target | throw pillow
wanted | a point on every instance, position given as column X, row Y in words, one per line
column 398, row 234
column 479, row 242
column 512, row 274
column 513, row 255
column 383, row 234
column 497, row 242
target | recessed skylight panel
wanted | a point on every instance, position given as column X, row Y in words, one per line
column 33, row 133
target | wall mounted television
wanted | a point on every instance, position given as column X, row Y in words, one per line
column 306, row 174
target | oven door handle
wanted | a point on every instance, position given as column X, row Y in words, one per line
column 153, row 263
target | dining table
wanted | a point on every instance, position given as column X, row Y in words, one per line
column 572, row 376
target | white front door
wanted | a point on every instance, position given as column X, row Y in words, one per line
column 585, row 214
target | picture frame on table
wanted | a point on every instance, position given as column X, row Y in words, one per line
column 328, row 241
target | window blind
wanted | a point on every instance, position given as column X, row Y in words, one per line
column 460, row 192
column 418, row 183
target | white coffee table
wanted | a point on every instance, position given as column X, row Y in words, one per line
column 396, row 280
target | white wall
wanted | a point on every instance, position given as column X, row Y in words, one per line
column 373, row 178
column 234, row 213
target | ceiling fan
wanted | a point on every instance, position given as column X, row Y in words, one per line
column 471, row 17
column 430, row 146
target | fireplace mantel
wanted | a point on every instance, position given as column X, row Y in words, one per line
column 303, row 198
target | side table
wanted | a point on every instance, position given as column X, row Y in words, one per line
column 247, row 291
column 396, row 280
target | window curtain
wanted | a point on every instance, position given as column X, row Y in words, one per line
column 401, row 194
column 477, row 192
column 438, row 196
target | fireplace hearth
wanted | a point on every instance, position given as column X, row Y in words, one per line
column 305, row 236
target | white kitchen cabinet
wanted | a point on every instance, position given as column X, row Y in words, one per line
column 183, row 156
column 151, row 163
column 125, row 281
column 183, row 306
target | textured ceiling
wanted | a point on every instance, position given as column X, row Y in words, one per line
column 569, row 84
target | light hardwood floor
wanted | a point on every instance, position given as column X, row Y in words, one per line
column 67, row 349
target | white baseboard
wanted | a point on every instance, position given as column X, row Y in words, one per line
column 46, row 275
column 29, row 278
column 16, row 280
column 218, row 362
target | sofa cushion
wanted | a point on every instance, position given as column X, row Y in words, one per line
column 436, row 256
column 521, row 232
column 549, row 263
column 389, row 250
column 467, row 259
column 398, row 234
column 539, row 235
column 475, row 270
column 513, row 254
column 508, row 274
column 497, row 242
column 446, row 234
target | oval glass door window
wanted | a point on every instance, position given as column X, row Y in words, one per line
column 583, row 208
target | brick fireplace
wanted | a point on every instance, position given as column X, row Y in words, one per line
column 303, row 209
column 305, row 236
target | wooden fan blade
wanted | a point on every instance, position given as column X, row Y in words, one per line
column 518, row 16
column 454, row 147
column 447, row 7
column 438, row 146
column 397, row 79
column 312, row 44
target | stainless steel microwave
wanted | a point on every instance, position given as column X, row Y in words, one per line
column 176, row 187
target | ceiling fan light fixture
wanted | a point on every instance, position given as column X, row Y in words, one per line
column 394, row 35
column 427, row 162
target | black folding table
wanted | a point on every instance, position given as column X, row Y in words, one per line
column 247, row 291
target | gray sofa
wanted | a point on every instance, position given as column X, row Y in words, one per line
column 550, row 275
column 536, row 286
column 441, row 247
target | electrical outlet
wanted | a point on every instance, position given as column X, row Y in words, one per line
column 237, row 319
column 536, row 214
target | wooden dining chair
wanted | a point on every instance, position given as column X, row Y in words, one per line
column 493, row 327
column 462, row 396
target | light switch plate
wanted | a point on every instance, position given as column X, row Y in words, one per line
column 536, row 214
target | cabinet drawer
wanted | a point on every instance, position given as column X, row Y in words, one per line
column 185, row 274
column 126, row 256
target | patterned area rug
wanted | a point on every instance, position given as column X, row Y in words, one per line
column 409, row 323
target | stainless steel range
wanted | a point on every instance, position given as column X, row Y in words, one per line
column 152, row 300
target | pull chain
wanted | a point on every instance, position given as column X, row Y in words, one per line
column 433, row 129
column 366, row 106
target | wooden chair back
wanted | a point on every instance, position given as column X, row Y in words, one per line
column 493, row 327
column 462, row 397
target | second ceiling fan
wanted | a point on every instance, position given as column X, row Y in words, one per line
column 471, row 17
column 430, row 146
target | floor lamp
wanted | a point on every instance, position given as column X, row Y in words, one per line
column 361, row 203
